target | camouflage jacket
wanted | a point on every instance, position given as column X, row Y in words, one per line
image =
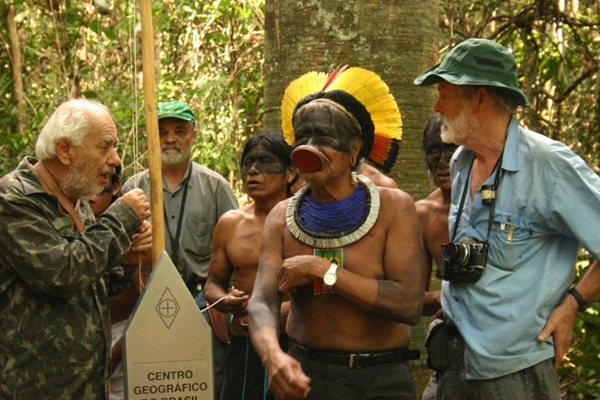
column 54, row 317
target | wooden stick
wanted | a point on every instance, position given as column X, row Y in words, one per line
column 154, row 163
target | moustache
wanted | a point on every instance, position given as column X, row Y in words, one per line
column 108, row 171
column 165, row 148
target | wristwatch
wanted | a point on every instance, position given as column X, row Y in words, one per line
column 330, row 277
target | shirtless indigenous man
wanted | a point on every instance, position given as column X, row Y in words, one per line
column 348, row 254
column 268, row 173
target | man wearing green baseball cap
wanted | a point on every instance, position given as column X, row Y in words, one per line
column 194, row 198
column 508, row 271
column 175, row 109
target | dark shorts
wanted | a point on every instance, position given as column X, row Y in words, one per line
column 244, row 374
column 219, row 348
column 389, row 380
column 245, row 377
column 538, row 382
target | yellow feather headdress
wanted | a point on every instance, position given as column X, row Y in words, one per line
column 366, row 87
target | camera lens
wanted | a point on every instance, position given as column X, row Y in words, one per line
column 457, row 254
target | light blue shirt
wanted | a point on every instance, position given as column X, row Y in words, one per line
column 548, row 202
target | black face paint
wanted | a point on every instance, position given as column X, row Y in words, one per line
column 320, row 128
column 262, row 161
column 438, row 153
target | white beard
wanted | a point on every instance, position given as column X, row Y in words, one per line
column 172, row 156
column 78, row 185
column 459, row 128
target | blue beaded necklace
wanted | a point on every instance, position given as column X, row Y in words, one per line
column 333, row 218
column 335, row 224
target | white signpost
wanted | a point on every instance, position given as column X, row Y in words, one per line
column 167, row 342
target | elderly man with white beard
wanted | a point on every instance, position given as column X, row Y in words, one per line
column 508, row 292
column 54, row 316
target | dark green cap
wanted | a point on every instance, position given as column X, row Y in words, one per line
column 175, row 109
column 478, row 62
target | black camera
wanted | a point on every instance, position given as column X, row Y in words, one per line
column 462, row 261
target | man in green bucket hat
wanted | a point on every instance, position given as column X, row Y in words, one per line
column 508, row 270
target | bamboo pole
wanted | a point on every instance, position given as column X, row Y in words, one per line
column 154, row 165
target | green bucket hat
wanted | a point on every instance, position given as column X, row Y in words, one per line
column 478, row 62
column 175, row 109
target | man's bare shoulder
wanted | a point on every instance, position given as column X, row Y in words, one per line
column 395, row 197
column 382, row 180
column 432, row 202
column 280, row 207
column 277, row 214
column 236, row 216
column 378, row 177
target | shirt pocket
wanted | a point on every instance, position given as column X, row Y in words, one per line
column 198, row 238
column 64, row 225
column 509, row 239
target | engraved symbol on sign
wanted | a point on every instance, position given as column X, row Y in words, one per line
column 167, row 308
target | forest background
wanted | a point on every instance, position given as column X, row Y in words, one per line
column 211, row 55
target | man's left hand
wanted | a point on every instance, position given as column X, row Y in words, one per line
column 299, row 271
column 560, row 326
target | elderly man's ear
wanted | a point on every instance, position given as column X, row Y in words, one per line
column 64, row 150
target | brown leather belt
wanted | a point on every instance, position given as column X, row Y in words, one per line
column 355, row 360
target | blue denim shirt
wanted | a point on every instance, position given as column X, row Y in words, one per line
column 548, row 203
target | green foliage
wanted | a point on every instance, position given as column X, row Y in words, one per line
column 208, row 54
column 580, row 371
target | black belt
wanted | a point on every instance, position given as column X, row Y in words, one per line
column 196, row 286
column 356, row 360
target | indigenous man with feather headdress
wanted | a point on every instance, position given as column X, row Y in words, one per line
column 346, row 251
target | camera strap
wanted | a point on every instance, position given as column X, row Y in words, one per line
column 498, row 170
column 175, row 240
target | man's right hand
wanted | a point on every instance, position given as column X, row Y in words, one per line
column 137, row 200
column 236, row 303
column 286, row 378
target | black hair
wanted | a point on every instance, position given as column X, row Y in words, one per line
column 276, row 144
column 432, row 127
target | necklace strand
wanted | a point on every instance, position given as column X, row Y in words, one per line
column 333, row 218
column 329, row 240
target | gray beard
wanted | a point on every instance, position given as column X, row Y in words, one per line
column 170, row 157
column 78, row 186
column 447, row 135
column 458, row 129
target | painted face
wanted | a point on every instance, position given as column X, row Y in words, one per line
column 176, row 139
column 263, row 173
column 94, row 161
column 324, row 134
column 322, row 127
column 263, row 161
column 438, row 153
column 437, row 156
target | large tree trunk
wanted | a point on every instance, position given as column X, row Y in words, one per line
column 396, row 39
